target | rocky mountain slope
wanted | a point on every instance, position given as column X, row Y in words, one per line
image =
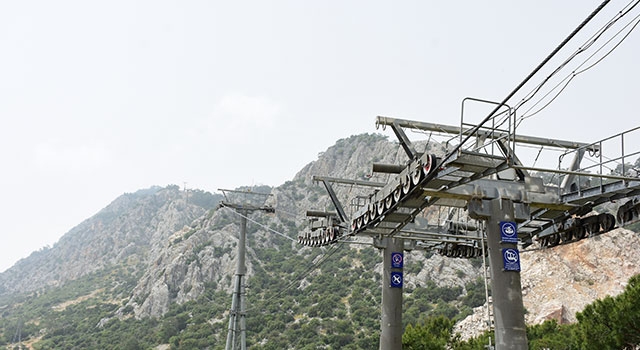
column 201, row 253
column 205, row 251
column 176, row 249
column 124, row 232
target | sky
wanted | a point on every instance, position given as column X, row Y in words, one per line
column 101, row 98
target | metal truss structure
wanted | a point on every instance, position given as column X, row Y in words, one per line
column 560, row 210
column 244, row 203
column 514, row 202
column 462, row 202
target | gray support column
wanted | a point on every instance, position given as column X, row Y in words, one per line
column 242, row 268
column 506, row 288
column 237, row 326
column 391, row 322
column 242, row 240
column 231, row 331
column 243, row 325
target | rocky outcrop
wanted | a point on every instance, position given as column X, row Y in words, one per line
column 191, row 258
column 352, row 158
column 180, row 246
column 127, row 228
column 443, row 271
column 205, row 252
column 559, row 282
column 474, row 324
column 552, row 310
column 574, row 275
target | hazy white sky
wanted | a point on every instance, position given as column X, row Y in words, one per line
column 102, row 98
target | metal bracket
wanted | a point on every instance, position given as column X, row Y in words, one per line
column 511, row 156
column 480, row 209
column 568, row 183
column 379, row 242
column 336, row 203
column 404, row 141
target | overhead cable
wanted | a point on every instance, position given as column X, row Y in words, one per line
column 526, row 80
column 263, row 226
column 303, row 275
column 584, row 47
column 565, row 82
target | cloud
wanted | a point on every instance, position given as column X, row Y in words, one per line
column 241, row 112
column 53, row 155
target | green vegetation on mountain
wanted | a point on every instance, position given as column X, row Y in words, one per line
column 156, row 267
column 336, row 310
column 609, row 323
column 294, row 303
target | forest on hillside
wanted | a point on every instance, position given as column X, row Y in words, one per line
column 338, row 307
column 323, row 315
column 297, row 297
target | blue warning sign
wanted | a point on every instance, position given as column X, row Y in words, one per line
column 511, row 259
column 397, row 260
column 396, row 280
column 508, row 232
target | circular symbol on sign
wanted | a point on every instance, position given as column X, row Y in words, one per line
column 397, row 258
column 508, row 229
column 510, row 255
column 396, row 279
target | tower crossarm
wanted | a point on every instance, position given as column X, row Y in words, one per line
column 486, row 133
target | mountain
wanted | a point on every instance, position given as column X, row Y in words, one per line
column 205, row 252
column 155, row 268
column 124, row 232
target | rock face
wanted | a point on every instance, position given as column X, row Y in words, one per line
column 559, row 282
column 352, row 158
column 474, row 324
column 123, row 232
column 179, row 245
column 176, row 245
column 192, row 257
column 444, row 271
column 205, row 252
column 571, row 276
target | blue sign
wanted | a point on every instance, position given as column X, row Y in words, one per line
column 508, row 232
column 397, row 260
column 396, row 280
column 511, row 259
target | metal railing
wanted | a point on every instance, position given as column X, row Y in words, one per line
column 611, row 159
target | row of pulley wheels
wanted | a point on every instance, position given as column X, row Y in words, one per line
column 406, row 183
column 325, row 236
